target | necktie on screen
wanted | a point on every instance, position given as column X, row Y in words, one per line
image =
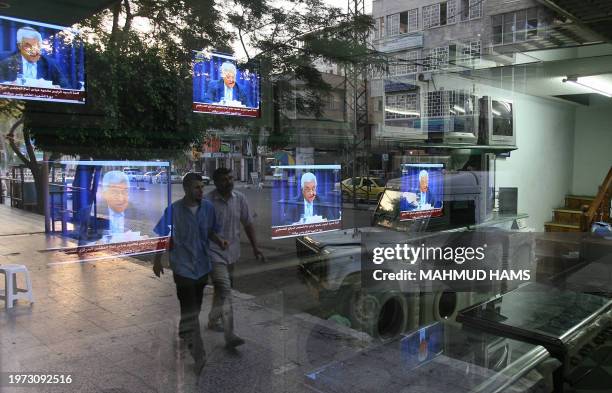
column 30, row 71
column 228, row 94
column 116, row 223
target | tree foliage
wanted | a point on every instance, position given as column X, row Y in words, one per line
column 139, row 56
column 138, row 82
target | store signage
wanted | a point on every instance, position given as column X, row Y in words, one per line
column 393, row 85
column 402, row 42
column 211, row 144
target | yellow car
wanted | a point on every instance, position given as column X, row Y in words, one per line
column 366, row 188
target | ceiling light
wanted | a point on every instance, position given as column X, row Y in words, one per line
column 594, row 83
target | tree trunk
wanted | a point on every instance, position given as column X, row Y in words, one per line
column 30, row 162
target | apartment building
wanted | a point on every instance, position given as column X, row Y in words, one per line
column 427, row 40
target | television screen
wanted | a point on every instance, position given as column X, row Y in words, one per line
column 110, row 207
column 501, row 112
column 421, row 191
column 220, row 86
column 39, row 61
column 422, row 346
column 305, row 200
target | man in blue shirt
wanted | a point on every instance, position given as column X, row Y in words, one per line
column 190, row 222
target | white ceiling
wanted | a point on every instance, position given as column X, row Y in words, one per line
column 540, row 73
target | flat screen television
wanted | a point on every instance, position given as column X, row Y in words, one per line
column 110, row 208
column 222, row 87
column 305, row 200
column 40, row 61
column 422, row 191
column 497, row 122
column 452, row 117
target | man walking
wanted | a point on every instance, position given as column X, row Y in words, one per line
column 191, row 221
column 232, row 209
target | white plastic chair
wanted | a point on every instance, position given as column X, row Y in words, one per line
column 11, row 292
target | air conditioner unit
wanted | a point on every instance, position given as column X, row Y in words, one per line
column 452, row 117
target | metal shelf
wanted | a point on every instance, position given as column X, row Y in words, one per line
column 476, row 148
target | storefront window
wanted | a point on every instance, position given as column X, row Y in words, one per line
column 379, row 196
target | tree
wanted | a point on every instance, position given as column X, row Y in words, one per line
column 139, row 73
column 293, row 39
column 139, row 86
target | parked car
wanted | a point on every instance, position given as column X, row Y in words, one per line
column 162, row 177
column 367, row 189
column 134, row 174
column 175, row 177
column 148, row 177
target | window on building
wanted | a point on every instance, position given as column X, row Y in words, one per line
column 413, row 20
column 497, row 29
column 409, row 21
column 393, row 24
column 402, row 106
column 471, row 9
column 431, row 16
column 403, row 22
column 404, row 64
column 532, row 23
column 412, row 57
column 440, row 14
column 436, row 58
column 435, row 104
column 381, row 25
column 515, row 26
column 520, row 26
column 331, row 103
column 470, row 52
column 377, row 29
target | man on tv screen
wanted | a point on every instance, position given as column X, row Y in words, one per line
column 307, row 208
column 422, row 199
column 226, row 91
column 28, row 66
column 115, row 192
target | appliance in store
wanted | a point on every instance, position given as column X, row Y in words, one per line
column 497, row 122
column 452, row 117
column 402, row 114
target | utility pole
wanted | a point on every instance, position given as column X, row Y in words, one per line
column 356, row 95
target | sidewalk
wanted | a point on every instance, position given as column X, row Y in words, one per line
column 112, row 325
column 16, row 221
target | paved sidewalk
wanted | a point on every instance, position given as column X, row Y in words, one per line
column 16, row 221
column 112, row 325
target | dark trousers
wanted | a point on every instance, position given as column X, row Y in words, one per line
column 190, row 293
